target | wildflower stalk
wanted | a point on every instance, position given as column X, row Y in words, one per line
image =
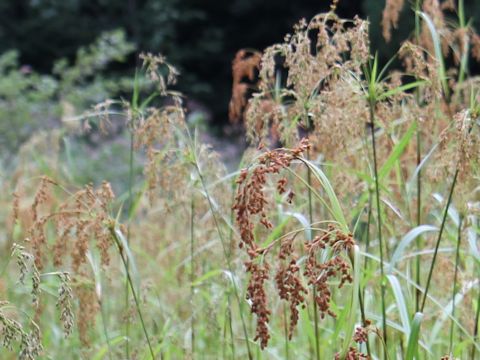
column 379, row 219
column 454, row 291
column 132, row 288
column 222, row 240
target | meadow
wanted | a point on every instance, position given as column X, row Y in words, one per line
column 347, row 229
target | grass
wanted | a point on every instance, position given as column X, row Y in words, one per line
column 356, row 238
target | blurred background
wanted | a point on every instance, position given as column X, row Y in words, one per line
column 60, row 57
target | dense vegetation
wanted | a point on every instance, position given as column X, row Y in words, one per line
column 350, row 229
column 199, row 37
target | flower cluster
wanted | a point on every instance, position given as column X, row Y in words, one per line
column 78, row 221
column 251, row 205
column 250, row 202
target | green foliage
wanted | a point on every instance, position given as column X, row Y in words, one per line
column 25, row 101
column 30, row 101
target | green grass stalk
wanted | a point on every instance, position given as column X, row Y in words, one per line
column 192, row 275
column 222, row 240
column 439, row 238
column 475, row 330
column 454, row 290
column 361, row 294
column 132, row 289
column 314, row 293
column 379, row 222
column 285, row 332
column 130, row 202
column 418, row 241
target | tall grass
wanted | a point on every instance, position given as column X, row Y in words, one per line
column 357, row 241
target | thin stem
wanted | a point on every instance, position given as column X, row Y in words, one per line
column 222, row 241
column 224, row 342
column 230, row 326
column 361, row 294
column 454, row 292
column 379, row 222
column 419, row 180
column 192, row 275
column 132, row 289
column 417, row 20
column 364, row 320
column 104, row 326
column 130, row 202
column 475, row 330
column 367, row 233
column 314, row 293
column 419, row 221
column 437, row 245
column 285, row 330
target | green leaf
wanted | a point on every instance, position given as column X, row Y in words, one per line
column 276, row 232
column 401, row 88
column 131, row 260
column 397, row 152
column 405, row 242
column 472, row 236
column 401, row 304
column 414, row 335
column 437, row 45
column 353, row 309
column 336, row 208
column 304, row 222
column 100, row 354
column 420, row 166
column 206, row 276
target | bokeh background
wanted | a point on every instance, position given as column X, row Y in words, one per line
column 199, row 36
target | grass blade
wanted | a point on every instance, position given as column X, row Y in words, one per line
column 414, row 336
column 401, row 303
column 405, row 242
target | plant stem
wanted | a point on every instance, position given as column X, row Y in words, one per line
column 192, row 275
column 440, row 233
column 130, row 202
column 379, row 222
column 285, row 329
column 230, row 326
column 222, row 241
column 457, row 259
column 104, row 326
column 361, row 294
column 132, row 289
column 419, row 178
column 419, row 221
column 475, row 330
column 314, row 293
column 364, row 320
